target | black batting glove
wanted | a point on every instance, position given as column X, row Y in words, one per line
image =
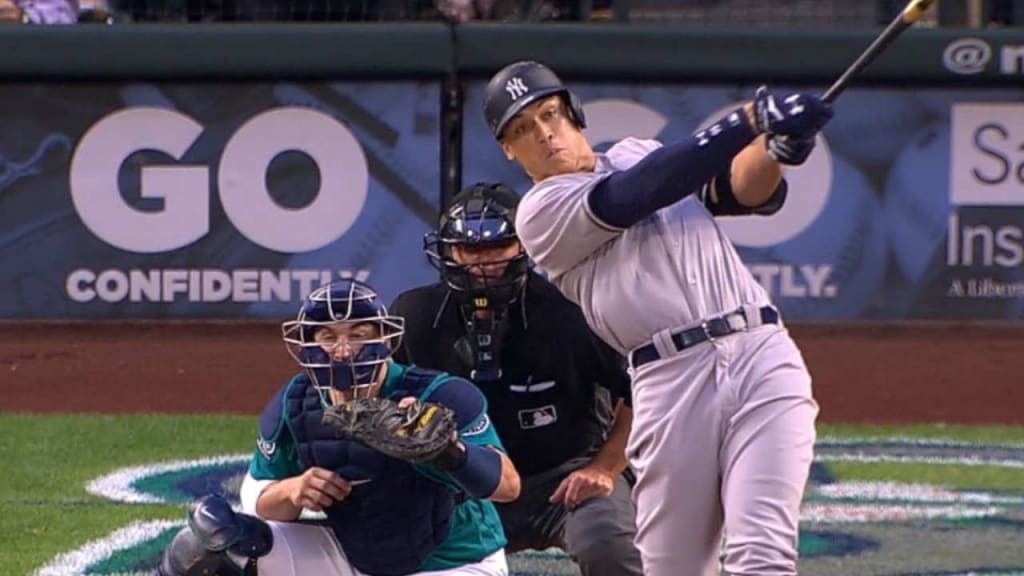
column 799, row 115
column 789, row 150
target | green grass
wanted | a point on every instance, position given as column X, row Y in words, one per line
column 56, row 454
column 953, row 476
column 989, row 434
column 48, row 459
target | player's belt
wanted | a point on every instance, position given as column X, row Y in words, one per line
column 710, row 329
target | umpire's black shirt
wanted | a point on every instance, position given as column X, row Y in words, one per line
column 546, row 408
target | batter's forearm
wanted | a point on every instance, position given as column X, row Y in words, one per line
column 612, row 456
column 755, row 175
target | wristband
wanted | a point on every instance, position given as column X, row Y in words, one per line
column 480, row 472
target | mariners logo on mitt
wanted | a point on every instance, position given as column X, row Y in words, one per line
column 418, row 432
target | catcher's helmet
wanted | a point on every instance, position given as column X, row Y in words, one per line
column 520, row 84
column 480, row 215
column 348, row 302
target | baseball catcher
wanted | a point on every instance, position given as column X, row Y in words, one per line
column 401, row 462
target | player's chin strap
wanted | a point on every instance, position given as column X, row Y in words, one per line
column 485, row 325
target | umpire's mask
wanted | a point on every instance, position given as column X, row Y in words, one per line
column 480, row 258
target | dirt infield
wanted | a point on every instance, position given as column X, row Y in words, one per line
column 862, row 373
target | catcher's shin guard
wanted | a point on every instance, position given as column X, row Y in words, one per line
column 185, row 556
column 214, row 529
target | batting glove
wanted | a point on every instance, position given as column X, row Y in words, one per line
column 789, row 150
column 799, row 115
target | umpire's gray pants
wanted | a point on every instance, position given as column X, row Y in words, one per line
column 597, row 534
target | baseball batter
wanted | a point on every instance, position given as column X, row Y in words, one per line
column 723, row 430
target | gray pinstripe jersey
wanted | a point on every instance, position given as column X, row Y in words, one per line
column 674, row 268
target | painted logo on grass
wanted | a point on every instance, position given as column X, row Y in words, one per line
column 907, row 528
column 178, row 481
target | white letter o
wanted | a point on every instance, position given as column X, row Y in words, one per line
column 344, row 179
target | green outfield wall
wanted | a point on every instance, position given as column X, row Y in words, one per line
column 418, row 50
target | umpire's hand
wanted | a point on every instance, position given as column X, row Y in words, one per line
column 582, row 485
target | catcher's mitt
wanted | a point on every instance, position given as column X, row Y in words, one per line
column 416, row 433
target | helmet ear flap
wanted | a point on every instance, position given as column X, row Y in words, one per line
column 576, row 109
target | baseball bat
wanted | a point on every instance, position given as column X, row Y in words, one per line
column 910, row 14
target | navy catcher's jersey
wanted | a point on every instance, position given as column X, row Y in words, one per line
column 548, row 405
column 474, row 530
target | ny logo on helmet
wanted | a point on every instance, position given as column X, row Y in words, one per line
column 516, row 88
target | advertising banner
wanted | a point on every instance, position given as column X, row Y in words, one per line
column 233, row 200
column 211, row 200
column 911, row 206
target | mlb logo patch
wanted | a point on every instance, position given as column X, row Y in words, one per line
column 537, row 417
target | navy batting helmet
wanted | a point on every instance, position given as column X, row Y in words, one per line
column 520, row 84
column 317, row 350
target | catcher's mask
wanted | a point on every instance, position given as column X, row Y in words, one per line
column 342, row 336
column 480, row 222
column 480, row 217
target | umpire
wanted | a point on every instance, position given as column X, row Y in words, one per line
column 557, row 395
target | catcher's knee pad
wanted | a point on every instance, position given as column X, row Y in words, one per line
column 214, row 529
column 220, row 529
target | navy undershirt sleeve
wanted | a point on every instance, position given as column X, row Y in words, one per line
column 670, row 173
